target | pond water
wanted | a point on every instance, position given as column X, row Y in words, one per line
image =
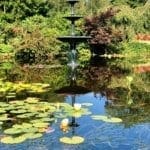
column 100, row 90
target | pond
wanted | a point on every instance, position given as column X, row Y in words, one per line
column 36, row 100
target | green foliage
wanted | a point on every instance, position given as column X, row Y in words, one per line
column 133, row 22
column 14, row 10
column 131, row 3
column 4, row 48
column 6, row 66
column 124, row 18
column 125, row 21
column 35, row 24
column 36, row 33
column 83, row 54
column 134, row 53
column 142, row 24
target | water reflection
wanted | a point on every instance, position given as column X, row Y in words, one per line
column 73, row 90
column 130, row 104
column 109, row 95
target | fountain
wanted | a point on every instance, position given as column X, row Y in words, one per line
column 73, row 39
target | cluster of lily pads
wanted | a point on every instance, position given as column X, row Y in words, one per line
column 31, row 118
column 10, row 89
column 77, row 139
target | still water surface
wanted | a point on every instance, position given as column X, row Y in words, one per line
column 131, row 134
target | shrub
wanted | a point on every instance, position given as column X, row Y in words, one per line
column 102, row 32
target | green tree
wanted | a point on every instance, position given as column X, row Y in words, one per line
column 13, row 10
column 131, row 3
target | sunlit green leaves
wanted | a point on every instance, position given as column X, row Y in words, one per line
column 11, row 140
column 40, row 124
column 4, row 117
column 32, row 100
column 72, row 140
column 33, row 135
column 10, row 90
column 31, row 117
column 106, row 118
column 13, row 131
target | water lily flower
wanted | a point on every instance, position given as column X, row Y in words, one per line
column 64, row 126
column 65, row 122
column 77, row 106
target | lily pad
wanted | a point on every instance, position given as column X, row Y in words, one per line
column 65, row 105
column 27, row 115
column 10, row 107
column 32, row 135
column 87, row 104
column 26, row 125
column 30, row 130
column 79, row 113
column 35, row 136
column 106, row 119
column 40, row 124
column 72, row 140
column 4, row 117
column 47, row 119
column 32, row 100
column 11, row 140
column 17, row 102
column 35, row 121
column 17, row 126
column 3, row 104
column 10, row 96
column 41, row 115
column 22, row 126
column 2, row 111
column 76, row 114
column 13, row 131
column 11, row 93
column 18, row 111
column 60, row 115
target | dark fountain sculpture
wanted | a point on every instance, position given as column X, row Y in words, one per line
column 73, row 40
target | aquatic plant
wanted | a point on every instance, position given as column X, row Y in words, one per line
column 10, row 90
column 106, row 118
column 30, row 118
column 72, row 140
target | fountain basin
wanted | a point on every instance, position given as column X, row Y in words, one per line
column 72, row 18
column 74, row 39
column 72, row 2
